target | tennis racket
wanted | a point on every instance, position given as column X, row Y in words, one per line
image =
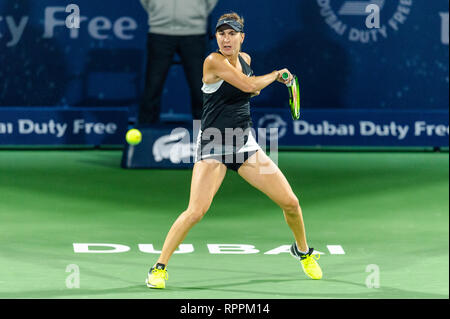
column 294, row 95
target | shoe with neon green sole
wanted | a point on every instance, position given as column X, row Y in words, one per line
column 308, row 262
column 157, row 277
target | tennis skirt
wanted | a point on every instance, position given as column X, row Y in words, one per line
column 232, row 150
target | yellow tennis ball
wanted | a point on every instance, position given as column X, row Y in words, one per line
column 133, row 137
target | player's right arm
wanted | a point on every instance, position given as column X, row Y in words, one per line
column 217, row 67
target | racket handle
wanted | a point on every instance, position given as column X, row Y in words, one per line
column 285, row 76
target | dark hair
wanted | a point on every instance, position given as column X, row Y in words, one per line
column 233, row 16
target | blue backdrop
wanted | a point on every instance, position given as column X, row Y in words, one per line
column 341, row 63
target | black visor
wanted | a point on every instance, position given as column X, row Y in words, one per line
column 236, row 26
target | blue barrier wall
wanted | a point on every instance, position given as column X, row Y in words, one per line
column 45, row 63
column 341, row 63
column 343, row 66
column 170, row 146
column 63, row 126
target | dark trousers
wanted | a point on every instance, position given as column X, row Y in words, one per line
column 160, row 53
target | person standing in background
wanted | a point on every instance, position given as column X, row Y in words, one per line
column 176, row 26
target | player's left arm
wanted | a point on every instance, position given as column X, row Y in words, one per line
column 248, row 60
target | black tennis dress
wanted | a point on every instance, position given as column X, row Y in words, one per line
column 226, row 125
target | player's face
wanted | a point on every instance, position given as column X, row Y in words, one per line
column 229, row 41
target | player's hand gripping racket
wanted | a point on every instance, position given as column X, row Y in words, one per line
column 294, row 95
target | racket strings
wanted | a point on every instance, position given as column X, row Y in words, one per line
column 294, row 99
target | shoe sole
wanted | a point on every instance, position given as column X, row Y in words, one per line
column 152, row 286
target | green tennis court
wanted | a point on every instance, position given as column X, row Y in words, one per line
column 380, row 220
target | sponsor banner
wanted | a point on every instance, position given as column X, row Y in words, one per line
column 374, row 21
column 381, row 54
column 58, row 126
column 357, row 127
column 162, row 146
column 174, row 146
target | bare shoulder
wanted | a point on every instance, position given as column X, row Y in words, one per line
column 212, row 63
column 246, row 58
column 214, row 58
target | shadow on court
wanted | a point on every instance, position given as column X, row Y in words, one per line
column 74, row 292
column 107, row 160
column 141, row 290
column 83, row 171
column 51, row 200
column 381, row 293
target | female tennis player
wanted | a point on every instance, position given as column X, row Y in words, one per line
column 228, row 86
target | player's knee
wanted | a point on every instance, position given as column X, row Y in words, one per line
column 195, row 214
column 291, row 204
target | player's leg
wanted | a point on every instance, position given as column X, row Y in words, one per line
column 207, row 176
column 260, row 171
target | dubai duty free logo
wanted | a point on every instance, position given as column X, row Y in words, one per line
column 365, row 21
